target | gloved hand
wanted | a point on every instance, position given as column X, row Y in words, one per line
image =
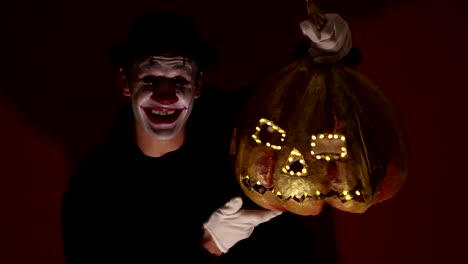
column 230, row 224
column 332, row 42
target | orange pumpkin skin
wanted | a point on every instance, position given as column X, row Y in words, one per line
column 317, row 134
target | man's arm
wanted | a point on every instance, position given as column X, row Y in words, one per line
column 209, row 244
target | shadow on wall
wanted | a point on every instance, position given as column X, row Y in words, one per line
column 33, row 170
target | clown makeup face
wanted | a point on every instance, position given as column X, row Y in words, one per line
column 162, row 90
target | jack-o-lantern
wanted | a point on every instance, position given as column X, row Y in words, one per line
column 315, row 134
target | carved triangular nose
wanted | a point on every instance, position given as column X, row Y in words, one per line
column 295, row 165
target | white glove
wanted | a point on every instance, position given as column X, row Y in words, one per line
column 230, row 224
column 330, row 44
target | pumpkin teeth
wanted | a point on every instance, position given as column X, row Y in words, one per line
column 355, row 195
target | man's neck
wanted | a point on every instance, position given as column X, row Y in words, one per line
column 153, row 147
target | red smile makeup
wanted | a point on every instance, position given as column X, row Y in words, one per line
column 159, row 115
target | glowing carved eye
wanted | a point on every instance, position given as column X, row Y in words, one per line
column 328, row 147
column 269, row 134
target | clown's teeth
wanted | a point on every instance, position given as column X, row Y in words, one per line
column 162, row 112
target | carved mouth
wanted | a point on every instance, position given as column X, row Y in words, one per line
column 356, row 194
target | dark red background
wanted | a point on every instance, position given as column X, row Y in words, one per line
column 58, row 92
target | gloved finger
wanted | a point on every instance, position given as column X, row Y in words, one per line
column 232, row 206
column 259, row 216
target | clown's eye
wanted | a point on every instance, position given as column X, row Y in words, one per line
column 328, row 147
column 269, row 134
column 178, row 81
column 151, row 80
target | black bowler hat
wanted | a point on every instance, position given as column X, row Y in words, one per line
column 163, row 33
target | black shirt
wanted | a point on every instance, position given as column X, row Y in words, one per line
column 125, row 207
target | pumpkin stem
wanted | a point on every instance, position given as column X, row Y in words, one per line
column 315, row 15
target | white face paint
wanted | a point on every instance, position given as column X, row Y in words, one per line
column 162, row 92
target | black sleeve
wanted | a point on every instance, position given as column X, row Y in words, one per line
column 99, row 228
column 89, row 231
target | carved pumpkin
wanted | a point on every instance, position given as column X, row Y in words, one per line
column 318, row 134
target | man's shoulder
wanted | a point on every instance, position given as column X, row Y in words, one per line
column 95, row 169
